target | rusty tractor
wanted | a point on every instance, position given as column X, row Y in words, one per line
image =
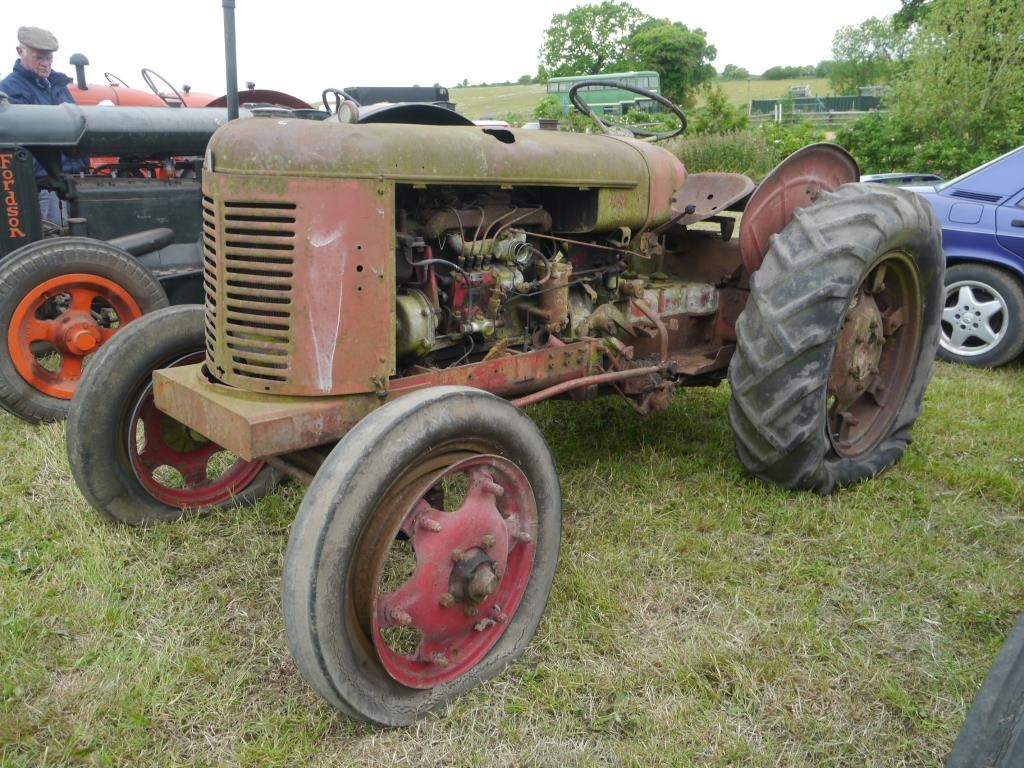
column 382, row 301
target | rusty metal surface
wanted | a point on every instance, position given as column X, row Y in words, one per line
column 874, row 358
column 300, row 284
column 708, row 194
column 252, row 425
column 796, row 182
column 634, row 181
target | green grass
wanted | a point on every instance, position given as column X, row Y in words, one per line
column 698, row 617
column 497, row 101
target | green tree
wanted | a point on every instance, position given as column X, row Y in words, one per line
column 959, row 101
column 680, row 55
column 787, row 73
column 967, row 75
column 589, row 39
column 870, row 54
column 732, row 72
column 912, row 12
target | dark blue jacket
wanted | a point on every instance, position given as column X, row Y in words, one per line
column 23, row 87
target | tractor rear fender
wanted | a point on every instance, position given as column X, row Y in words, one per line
column 794, row 183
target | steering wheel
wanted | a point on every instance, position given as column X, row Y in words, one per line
column 114, row 80
column 342, row 101
column 624, row 129
column 149, row 74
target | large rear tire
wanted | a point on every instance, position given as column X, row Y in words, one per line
column 60, row 301
column 992, row 736
column 422, row 555
column 836, row 344
column 135, row 464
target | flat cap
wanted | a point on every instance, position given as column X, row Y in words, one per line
column 40, row 39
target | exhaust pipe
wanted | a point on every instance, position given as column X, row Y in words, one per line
column 230, row 58
column 78, row 61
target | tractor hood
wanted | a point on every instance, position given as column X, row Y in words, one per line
column 631, row 174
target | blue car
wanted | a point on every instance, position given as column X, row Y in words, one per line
column 982, row 218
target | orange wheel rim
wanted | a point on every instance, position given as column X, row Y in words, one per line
column 62, row 321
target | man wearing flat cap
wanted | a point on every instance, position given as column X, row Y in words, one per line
column 33, row 81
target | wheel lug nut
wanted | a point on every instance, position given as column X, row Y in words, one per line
column 430, row 524
column 492, row 488
column 400, row 616
column 439, row 659
column 447, row 600
column 488, row 541
column 523, row 536
column 458, row 555
column 470, row 611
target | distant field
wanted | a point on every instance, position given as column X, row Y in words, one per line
column 742, row 91
column 502, row 101
column 497, row 101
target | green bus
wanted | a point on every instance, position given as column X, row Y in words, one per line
column 609, row 100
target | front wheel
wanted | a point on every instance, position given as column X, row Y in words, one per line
column 836, row 344
column 135, row 464
column 983, row 317
column 422, row 555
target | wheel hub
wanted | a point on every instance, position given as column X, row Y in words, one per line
column 874, row 357
column 76, row 333
column 473, row 579
column 858, row 351
column 470, row 570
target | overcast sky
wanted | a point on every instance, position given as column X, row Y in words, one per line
column 304, row 46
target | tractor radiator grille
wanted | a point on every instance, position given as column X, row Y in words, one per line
column 248, row 267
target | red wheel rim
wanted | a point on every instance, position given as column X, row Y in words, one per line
column 177, row 465
column 60, row 323
column 876, row 352
column 439, row 589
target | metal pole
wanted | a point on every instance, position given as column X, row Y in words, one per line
column 230, row 58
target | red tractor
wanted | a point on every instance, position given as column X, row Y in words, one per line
column 381, row 302
column 116, row 92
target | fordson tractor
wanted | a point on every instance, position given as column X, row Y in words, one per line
column 381, row 301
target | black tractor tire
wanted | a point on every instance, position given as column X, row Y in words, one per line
column 73, row 266
column 132, row 463
column 836, row 344
column 992, row 735
column 983, row 318
column 359, row 507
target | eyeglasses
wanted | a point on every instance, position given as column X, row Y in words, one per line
column 40, row 57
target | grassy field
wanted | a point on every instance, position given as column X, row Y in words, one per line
column 500, row 101
column 740, row 92
column 497, row 101
column 698, row 617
